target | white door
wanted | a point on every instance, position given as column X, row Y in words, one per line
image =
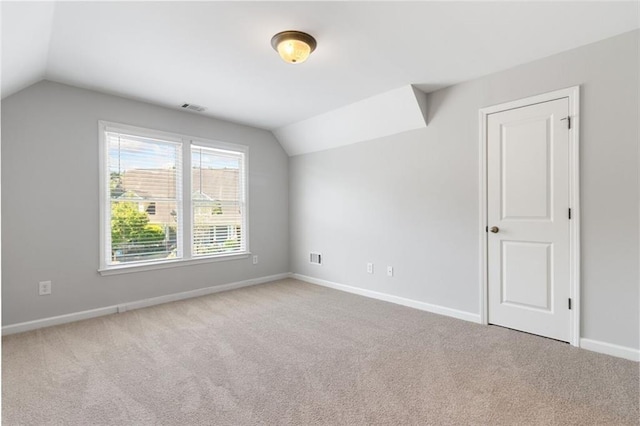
column 528, row 218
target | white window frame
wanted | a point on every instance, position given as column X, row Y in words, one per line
column 184, row 207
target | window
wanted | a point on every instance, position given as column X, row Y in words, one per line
column 154, row 211
column 151, row 209
column 215, row 199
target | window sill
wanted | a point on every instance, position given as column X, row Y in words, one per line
column 127, row 269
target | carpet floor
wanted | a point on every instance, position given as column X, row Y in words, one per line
column 291, row 353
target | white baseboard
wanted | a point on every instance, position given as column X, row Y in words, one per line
column 57, row 320
column 199, row 292
column 436, row 309
column 129, row 306
column 591, row 345
column 588, row 344
column 610, row 349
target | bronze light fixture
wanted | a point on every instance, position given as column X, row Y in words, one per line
column 294, row 47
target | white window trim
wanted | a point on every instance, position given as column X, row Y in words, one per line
column 185, row 242
column 172, row 263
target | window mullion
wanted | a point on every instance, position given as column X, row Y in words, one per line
column 185, row 200
column 105, row 200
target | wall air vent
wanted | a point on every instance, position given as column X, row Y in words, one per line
column 192, row 107
column 315, row 258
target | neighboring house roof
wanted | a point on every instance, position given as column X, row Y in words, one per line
column 159, row 183
column 130, row 195
column 212, row 188
column 200, row 196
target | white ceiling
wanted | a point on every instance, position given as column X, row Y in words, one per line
column 218, row 54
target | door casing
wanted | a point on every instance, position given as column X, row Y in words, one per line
column 573, row 95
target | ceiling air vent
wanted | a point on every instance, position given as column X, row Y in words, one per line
column 192, row 107
column 315, row 258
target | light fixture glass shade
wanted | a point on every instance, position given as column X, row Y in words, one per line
column 294, row 51
column 294, row 47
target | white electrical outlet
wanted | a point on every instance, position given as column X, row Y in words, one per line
column 390, row 271
column 255, row 259
column 370, row 268
column 44, row 288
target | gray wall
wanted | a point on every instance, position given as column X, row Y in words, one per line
column 411, row 200
column 50, row 202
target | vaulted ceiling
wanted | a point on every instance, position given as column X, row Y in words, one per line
column 218, row 54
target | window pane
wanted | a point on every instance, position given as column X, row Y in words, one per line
column 137, row 236
column 144, row 183
column 217, row 201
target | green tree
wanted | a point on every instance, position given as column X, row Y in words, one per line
column 151, row 233
column 131, row 226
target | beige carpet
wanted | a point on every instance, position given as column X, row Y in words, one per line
column 298, row 354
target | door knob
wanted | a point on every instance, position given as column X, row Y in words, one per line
column 494, row 229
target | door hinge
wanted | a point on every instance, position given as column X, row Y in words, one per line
column 569, row 303
column 486, row 229
column 569, row 213
column 568, row 118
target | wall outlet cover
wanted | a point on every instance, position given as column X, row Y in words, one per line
column 44, row 288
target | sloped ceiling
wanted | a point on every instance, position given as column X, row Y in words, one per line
column 218, row 54
column 388, row 113
column 26, row 36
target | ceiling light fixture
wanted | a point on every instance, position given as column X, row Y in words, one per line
column 294, row 47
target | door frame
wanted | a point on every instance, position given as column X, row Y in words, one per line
column 573, row 95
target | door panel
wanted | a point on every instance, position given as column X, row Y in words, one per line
column 527, row 275
column 525, row 168
column 528, row 201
